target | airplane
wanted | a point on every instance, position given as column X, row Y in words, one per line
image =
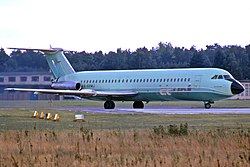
column 140, row 86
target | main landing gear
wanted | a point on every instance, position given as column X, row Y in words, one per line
column 208, row 104
column 138, row 104
column 109, row 104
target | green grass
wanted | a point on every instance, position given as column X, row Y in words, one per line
column 17, row 119
column 108, row 139
column 15, row 115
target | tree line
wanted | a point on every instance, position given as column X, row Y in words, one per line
column 233, row 58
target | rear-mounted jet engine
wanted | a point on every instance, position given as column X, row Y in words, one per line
column 66, row 85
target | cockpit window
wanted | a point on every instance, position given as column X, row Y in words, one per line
column 214, row 77
column 220, row 77
column 228, row 77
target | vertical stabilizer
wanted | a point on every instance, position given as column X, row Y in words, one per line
column 57, row 61
column 58, row 64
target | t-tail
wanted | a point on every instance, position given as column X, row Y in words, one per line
column 57, row 61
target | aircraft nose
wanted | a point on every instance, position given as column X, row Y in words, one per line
column 236, row 88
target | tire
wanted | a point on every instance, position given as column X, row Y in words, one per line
column 138, row 104
column 207, row 105
column 109, row 105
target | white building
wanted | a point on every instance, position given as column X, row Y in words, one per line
column 25, row 80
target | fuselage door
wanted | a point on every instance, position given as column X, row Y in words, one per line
column 197, row 81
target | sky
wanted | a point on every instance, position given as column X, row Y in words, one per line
column 94, row 25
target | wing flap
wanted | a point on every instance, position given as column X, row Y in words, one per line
column 116, row 93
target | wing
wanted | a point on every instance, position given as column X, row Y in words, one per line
column 83, row 92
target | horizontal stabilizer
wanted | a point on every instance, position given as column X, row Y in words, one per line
column 51, row 50
column 46, row 51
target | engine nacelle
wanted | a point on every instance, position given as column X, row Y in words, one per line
column 67, row 85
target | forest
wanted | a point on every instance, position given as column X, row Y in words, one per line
column 233, row 58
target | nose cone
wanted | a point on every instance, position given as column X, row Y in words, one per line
column 236, row 88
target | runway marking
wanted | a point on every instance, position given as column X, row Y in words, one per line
column 160, row 110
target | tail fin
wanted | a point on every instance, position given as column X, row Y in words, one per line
column 59, row 64
column 57, row 61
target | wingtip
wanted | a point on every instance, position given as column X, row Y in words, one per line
column 9, row 89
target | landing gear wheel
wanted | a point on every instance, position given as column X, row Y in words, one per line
column 138, row 104
column 207, row 105
column 109, row 105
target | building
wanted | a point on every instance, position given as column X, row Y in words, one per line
column 36, row 80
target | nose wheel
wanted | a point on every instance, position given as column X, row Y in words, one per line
column 208, row 104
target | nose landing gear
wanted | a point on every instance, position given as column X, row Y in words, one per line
column 208, row 104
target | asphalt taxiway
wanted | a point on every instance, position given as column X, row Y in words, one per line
column 158, row 110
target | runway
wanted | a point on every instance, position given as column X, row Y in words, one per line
column 158, row 110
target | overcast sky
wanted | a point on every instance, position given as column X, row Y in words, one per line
column 106, row 25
